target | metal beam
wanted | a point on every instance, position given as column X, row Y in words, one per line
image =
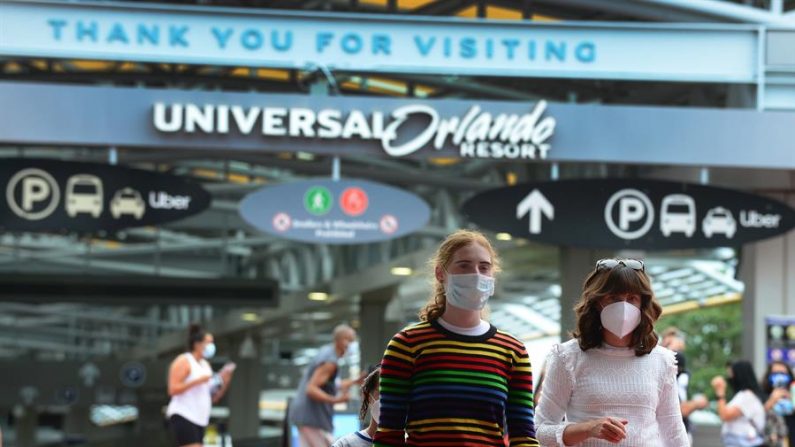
column 23, row 343
column 722, row 10
column 62, row 333
column 86, row 314
column 118, row 266
column 676, row 10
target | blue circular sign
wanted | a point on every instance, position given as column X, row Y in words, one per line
column 133, row 374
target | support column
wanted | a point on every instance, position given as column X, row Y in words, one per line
column 243, row 399
column 77, row 422
column 768, row 270
column 26, row 424
column 575, row 265
column 374, row 330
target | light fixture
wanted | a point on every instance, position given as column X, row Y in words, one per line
column 305, row 156
column 250, row 316
column 401, row 271
column 318, row 296
column 504, row 237
column 511, row 178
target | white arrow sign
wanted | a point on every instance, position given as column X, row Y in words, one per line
column 535, row 204
column 89, row 373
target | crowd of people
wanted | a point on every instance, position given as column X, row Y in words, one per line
column 454, row 379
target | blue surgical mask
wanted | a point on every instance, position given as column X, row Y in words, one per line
column 209, row 351
column 470, row 291
column 780, row 380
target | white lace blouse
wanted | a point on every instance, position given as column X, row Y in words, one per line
column 611, row 382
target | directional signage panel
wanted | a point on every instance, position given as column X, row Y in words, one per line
column 54, row 195
column 335, row 212
column 627, row 213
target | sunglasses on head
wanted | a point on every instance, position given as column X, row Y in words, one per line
column 607, row 264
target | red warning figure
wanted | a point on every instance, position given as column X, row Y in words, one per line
column 354, row 201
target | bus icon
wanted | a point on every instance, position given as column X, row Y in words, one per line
column 678, row 215
column 84, row 195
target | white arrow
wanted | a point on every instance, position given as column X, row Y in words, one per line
column 89, row 373
column 535, row 204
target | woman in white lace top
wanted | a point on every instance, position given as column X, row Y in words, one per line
column 612, row 384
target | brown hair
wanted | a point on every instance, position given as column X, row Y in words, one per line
column 616, row 281
column 442, row 258
column 369, row 386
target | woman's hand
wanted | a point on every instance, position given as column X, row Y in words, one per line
column 201, row 379
column 609, row 429
column 719, row 385
column 778, row 394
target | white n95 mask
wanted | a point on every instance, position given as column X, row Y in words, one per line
column 469, row 291
column 375, row 410
column 620, row 318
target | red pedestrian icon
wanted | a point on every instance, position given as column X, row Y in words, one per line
column 354, row 201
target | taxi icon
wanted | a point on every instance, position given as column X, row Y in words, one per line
column 127, row 202
column 719, row 220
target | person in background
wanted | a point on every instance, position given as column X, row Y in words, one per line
column 371, row 404
column 674, row 339
column 612, row 383
column 453, row 379
column 776, row 386
column 194, row 388
column 312, row 410
column 744, row 416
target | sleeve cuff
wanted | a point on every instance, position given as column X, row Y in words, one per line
column 559, row 433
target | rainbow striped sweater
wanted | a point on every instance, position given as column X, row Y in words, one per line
column 442, row 389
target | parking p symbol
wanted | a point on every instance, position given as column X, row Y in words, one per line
column 32, row 194
column 630, row 210
column 34, row 189
column 635, row 214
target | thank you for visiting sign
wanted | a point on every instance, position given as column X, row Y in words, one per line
column 140, row 32
column 335, row 212
column 53, row 195
column 625, row 213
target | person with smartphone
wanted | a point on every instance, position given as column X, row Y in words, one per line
column 194, row 388
column 776, row 387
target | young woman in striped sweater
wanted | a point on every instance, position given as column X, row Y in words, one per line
column 454, row 380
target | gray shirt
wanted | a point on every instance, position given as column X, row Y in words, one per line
column 307, row 412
